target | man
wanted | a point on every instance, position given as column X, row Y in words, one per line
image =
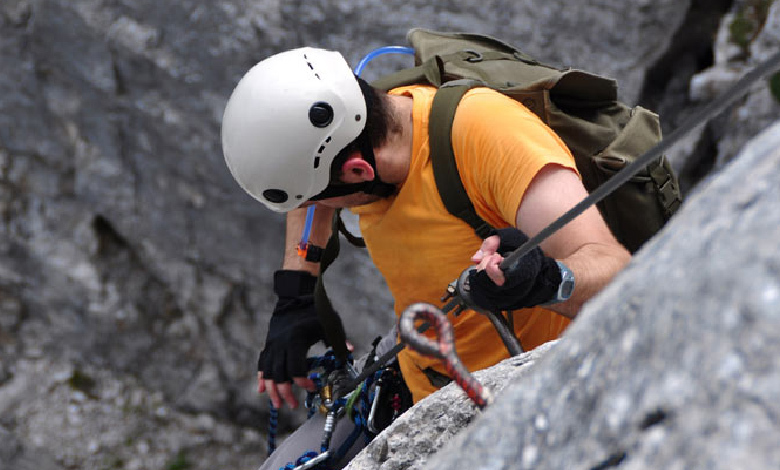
column 300, row 129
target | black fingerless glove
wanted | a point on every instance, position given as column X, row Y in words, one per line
column 293, row 329
column 535, row 281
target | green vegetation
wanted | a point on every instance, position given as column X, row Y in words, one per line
column 114, row 463
column 774, row 86
column 180, row 462
column 82, row 382
column 748, row 21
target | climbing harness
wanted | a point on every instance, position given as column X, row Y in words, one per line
column 336, row 397
column 443, row 348
column 325, row 371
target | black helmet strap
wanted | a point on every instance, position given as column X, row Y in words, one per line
column 376, row 186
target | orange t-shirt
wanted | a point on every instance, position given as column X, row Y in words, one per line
column 420, row 248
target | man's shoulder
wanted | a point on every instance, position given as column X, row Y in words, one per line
column 414, row 90
column 488, row 100
column 488, row 111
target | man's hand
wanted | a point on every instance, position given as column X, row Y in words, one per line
column 534, row 282
column 293, row 329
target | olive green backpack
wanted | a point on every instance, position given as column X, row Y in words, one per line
column 582, row 108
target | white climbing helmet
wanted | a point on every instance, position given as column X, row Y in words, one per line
column 285, row 122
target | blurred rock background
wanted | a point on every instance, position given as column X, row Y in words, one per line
column 135, row 274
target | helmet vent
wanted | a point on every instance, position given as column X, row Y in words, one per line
column 311, row 66
column 275, row 196
column 321, row 114
column 316, row 162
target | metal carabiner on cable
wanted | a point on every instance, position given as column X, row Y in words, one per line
column 443, row 348
column 458, row 299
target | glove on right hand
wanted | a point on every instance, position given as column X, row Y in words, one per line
column 534, row 282
column 293, row 329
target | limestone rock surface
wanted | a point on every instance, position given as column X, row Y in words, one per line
column 135, row 275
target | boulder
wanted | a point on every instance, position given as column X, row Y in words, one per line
column 673, row 365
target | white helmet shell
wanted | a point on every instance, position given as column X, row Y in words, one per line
column 286, row 121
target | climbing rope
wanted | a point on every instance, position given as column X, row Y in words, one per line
column 443, row 348
column 273, row 426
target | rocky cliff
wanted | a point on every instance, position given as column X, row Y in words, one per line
column 135, row 274
column 672, row 366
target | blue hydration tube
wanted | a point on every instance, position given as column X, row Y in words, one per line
column 358, row 70
column 377, row 52
column 307, row 228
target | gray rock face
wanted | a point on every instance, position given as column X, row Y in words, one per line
column 714, row 144
column 672, row 366
column 129, row 254
column 434, row 421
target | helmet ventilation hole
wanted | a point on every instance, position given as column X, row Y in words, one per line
column 311, row 66
column 321, row 114
column 275, row 196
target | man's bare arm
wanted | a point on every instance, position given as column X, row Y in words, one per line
column 585, row 245
column 321, row 229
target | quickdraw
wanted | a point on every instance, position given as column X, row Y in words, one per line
column 326, row 372
column 358, row 405
column 443, row 348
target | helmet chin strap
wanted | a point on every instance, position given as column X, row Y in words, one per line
column 376, row 186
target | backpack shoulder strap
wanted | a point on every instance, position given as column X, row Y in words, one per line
column 427, row 72
column 445, row 170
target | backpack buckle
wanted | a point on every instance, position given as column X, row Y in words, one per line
column 669, row 196
column 474, row 56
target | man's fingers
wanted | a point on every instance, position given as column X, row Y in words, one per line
column 492, row 266
column 281, row 393
column 285, row 390
column 490, row 244
column 489, row 247
column 305, row 383
column 273, row 393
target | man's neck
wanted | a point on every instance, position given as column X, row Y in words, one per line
column 394, row 157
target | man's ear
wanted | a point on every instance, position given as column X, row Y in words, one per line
column 356, row 170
